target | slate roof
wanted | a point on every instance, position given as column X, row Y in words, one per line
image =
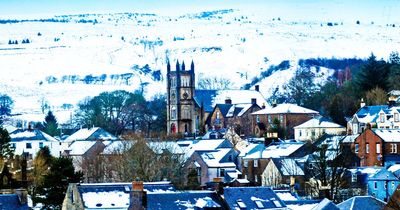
column 288, row 167
column 252, row 198
column 274, row 150
column 326, row 204
column 115, row 195
column 30, row 135
column 224, row 108
column 11, row 201
column 362, row 203
column 368, row 114
column 183, row 200
column 209, row 98
column 383, row 174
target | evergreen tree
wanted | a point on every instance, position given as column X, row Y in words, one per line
column 5, row 147
column 301, row 86
column 373, row 74
column 6, row 104
column 41, row 165
column 55, row 183
column 50, row 125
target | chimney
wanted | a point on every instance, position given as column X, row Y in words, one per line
column 253, row 101
column 228, row 101
column 137, row 197
column 274, row 104
column 22, row 195
column 263, row 106
column 257, row 88
column 362, row 104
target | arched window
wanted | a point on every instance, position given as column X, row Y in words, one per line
column 173, row 128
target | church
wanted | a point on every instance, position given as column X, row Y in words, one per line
column 188, row 108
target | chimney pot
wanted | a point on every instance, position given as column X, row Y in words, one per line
column 257, row 88
column 253, row 101
column 228, row 101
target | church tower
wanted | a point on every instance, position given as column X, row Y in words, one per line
column 181, row 107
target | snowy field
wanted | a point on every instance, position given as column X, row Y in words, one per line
column 236, row 43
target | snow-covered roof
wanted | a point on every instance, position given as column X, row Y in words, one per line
column 388, row 135
column 285, row 109
column 209, row 98
column 394, row 168
column 117, row 146
column 288, row 167
column 238, row 109
column 320, row 122
column 275, row 150
column 285, row 195
column 78, row 148
column 94, row 133
column 160, row 147
column 214, row 159
column 106, row 200
column 30, row 135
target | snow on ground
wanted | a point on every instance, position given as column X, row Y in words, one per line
column 233, row 45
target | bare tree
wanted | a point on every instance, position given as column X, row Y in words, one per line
column 214, row 83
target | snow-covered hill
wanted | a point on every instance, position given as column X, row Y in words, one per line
column 70, row 57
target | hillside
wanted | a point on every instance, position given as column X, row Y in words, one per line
column 65, row 58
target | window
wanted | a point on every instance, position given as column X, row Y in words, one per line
column 241, row 204
column 367, row 148
column 40, row 144
column 259, row 204
column 393, row 185
column 310, row 166
column 356, row 148
column 393, row 148
column 13, row 145
column 269, row 119
column 245, row 163
column 258, row 119
column 353, row 177
column 382, row 117
column 355, row 128
column 222, row 172
column 378, row 148
column 281, row 118
column 375, row 185
column 385, row 185
column 299, row 132
column 173, row 113
column 255, row 163
column 29, row 145
column 396, row 117
column 256, row 178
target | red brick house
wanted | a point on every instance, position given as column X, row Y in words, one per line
column 378, row 147
column 289, row 116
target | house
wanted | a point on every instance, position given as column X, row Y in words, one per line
column 30, row 141
column 382, row 184
column 361, row 203
column 288, row 116
column 255, row 157
column 316, row 127
column 212, row 159
column 378, row 147
column 283, row 173
column 237, row 116
column 252, row 198
column 378, row 116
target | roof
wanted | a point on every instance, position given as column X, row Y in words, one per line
column 368, row 114
column 81, row 147
column 224, row 108
column 388, row 135
column 286, row 109
column 274, row 150
column 325, row 204
column 11, row 201
column 383, row 174
column 217, row 158
column 30, row 135
column 238, row 109
column 183, row 200
column 286, row 195
column 320, row 122
column 209, row 98
column 361, row 203
column 252, row 198
column 288, row 167
column 90, row 134
column 115, row 195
